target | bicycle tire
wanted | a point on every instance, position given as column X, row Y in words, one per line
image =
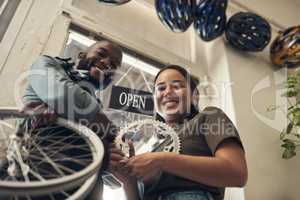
column 61, row 183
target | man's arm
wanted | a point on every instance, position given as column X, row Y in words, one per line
column 52, row 85
column 49, row 82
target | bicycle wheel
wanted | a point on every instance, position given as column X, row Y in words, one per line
column 75, row 194
column 50, row 159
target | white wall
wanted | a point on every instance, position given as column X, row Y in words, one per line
column 256, row 85
column 31, row 31
column 282, row 13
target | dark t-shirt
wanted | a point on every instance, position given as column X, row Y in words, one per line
column 199, row 136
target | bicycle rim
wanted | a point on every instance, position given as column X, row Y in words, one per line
column 61, row 178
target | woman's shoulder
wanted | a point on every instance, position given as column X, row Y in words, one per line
column 212, row 109
column 212, row 112
column 207, row 115
column 209, row 110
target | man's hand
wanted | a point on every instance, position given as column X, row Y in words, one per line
column 43, row 115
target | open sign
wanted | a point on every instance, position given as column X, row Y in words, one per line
column 131, row 100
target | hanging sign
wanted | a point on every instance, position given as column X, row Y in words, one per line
column 131, row 100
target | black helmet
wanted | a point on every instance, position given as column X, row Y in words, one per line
column 176, row 15
column 248, row 31
column 114, row 2
column 285, row 49
column 210, row 18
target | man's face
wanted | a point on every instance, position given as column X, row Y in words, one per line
column 101, row 60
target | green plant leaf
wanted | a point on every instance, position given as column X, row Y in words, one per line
column 294, row 115
column 290, row 137
column 297, row 135
column 286, row 146
column 290, row 147
column 289, row 144
column 297, row 119
column 287, row 154
column 290, row 93
column 294, row 110
column 282, row 135
column 289, row 127
column 288, row 141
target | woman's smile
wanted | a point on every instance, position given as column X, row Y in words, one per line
column 171, row 103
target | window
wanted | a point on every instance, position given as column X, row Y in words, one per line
column 7, row 11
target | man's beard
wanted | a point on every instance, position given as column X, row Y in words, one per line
column 85, row 64
column 104, row 80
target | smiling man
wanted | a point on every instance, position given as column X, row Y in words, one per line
column 68, row 90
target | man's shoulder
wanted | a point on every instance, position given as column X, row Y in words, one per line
column 45, row 61
column 56, row 59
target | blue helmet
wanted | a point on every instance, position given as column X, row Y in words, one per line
column 210, row 18
column 114, row 2
column 248, row 32
column 176, row 15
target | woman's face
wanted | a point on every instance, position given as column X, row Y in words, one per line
column 172, row 95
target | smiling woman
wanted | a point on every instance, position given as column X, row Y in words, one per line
column 210, row 159
column 173, row 92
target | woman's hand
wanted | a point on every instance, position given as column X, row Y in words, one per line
column 116, row 166
column 117, row 162
column 146, row 166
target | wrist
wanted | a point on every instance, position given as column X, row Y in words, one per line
column 165, row 160
column 129, row 180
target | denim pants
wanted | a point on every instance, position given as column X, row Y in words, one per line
column 187, row 195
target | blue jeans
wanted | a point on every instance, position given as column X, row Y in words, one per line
column 187, row 195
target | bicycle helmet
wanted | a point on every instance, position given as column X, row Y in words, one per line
column 285, row 49
column 176, row 15
column 114, row 2
column 248, row 32
column 210, row 18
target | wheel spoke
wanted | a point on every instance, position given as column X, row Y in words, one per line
column 50, row 161
column 65, row 194
column 58, row 141
column 39, row 177
column 52, row 197
column 28, row 198
column 20, row 161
